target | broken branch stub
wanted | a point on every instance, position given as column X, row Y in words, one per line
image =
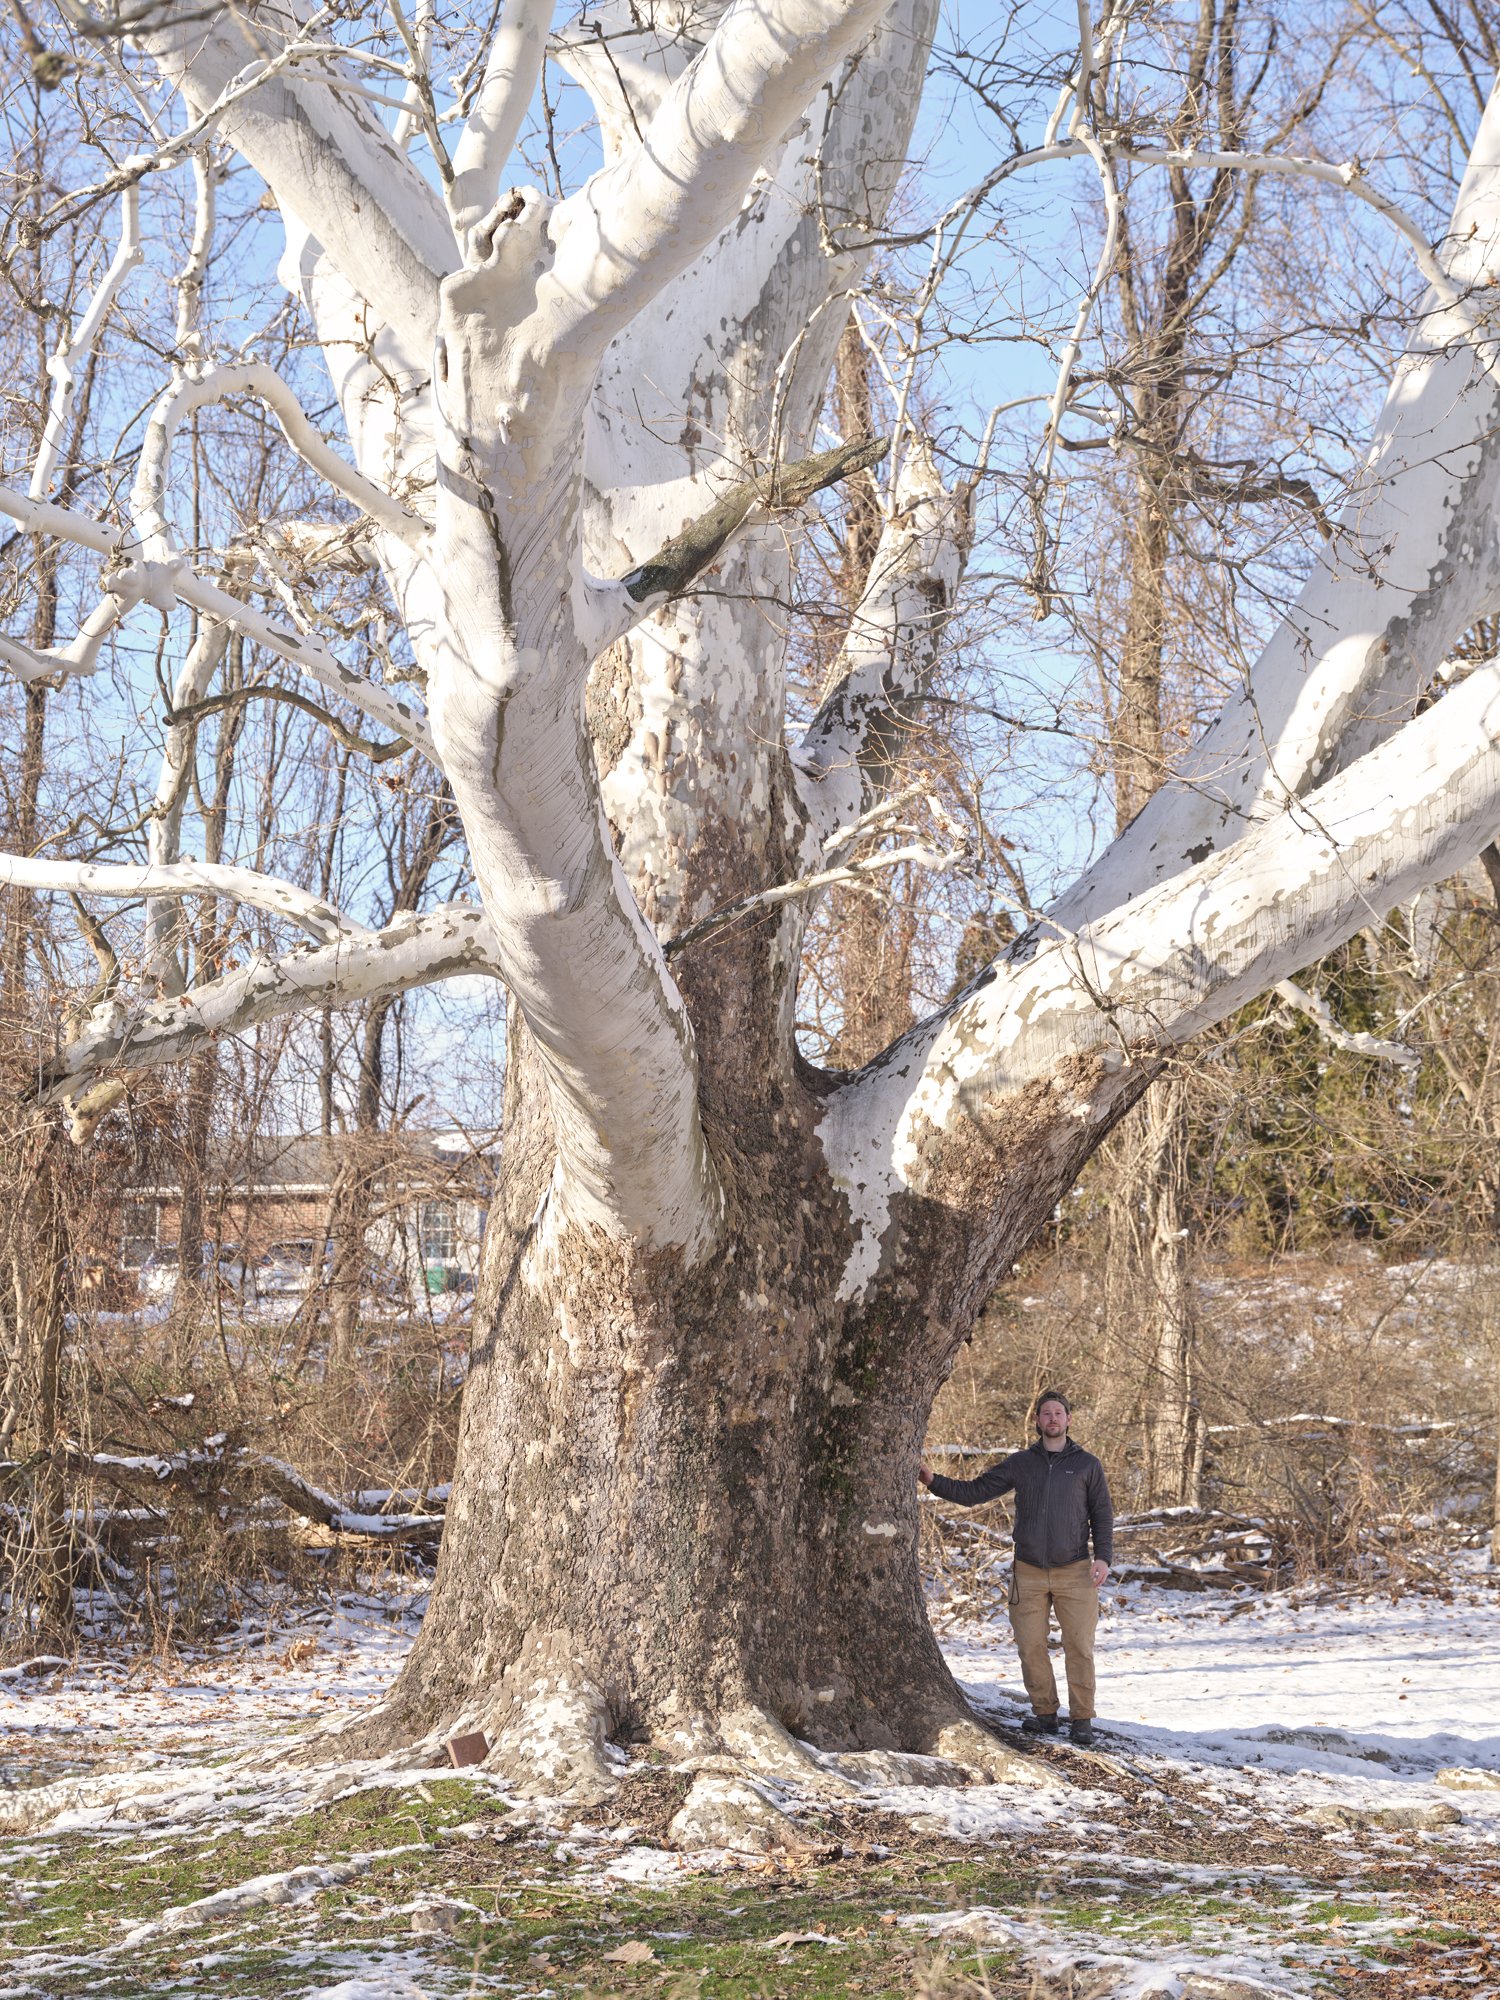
column 674, row 566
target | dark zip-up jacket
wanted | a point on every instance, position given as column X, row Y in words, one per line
column 1061, row 1498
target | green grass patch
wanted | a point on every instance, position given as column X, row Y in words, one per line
column 89, row 1889
column 529, row 1920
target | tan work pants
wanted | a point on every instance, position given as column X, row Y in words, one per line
column 1072, row 1594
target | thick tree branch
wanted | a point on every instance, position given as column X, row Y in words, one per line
column 1081, row 1014
column 511, row 72
column 1411, row 566
column 324, row 154
column 612, row 608
column 637, row 224
column 413, row 951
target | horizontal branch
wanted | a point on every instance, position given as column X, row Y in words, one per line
column 182, row 878
column 1353, row 1042
column 411, row 951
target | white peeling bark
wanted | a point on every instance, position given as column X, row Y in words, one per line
column 196, row 391
column 1149, row 976
column 500, row 106
column 638, row 224
column 322, row 151
column 505, row 682
column 1414, row 563
column 412, row 951
column 182, row 878
column 690, row 717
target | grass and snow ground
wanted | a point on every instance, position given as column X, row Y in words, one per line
column 1272, row 1810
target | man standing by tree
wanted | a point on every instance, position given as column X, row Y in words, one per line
column 1062, row 1499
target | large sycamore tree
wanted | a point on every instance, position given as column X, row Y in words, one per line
column 721, row 1286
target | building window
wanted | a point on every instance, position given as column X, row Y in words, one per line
column 139, row 1224
column 437, row 1228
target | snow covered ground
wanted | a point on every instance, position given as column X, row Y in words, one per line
column 1291, row 1795
column 1372, row 1692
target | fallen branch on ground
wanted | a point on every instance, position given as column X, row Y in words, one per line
column 243, row 1476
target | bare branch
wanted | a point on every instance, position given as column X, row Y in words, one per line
column 250, row 378
column 182, row 878
column 499, row 110
column 160, row 583
column 1352, row 1042
column 411, row 951
column 378, row 753
column 614, row 607
column 71, row 354
column 853, row 873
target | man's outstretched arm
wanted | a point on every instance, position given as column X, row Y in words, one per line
column 989, row 1485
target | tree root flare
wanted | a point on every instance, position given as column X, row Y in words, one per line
column 961, row 1740
column 551, row 1743
column 762, row 1744
column 726, row 1811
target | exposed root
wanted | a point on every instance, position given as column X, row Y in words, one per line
column 899, row 1767
column 550, row 1743
column 726, row 1811
column 964, row 1741
column 762, row 1744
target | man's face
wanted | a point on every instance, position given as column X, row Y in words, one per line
column 1052, row 1422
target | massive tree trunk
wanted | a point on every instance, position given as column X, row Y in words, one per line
column 685, row 1506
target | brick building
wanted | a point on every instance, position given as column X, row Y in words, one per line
column 428, row 1193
